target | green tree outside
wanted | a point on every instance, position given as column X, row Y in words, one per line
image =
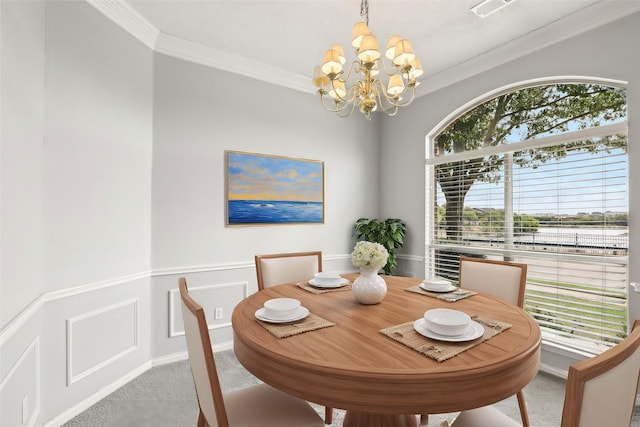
column 525, row 114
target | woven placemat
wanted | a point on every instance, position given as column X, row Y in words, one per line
column 315, row 290
column 309, row 323
column 444, row 296
column 442, row 350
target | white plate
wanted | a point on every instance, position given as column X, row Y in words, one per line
column 316, row 284
column 301, row 313
column 476, row 330
column 437, row 288
column 437, row 281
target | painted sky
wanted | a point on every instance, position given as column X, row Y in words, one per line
column 260, row 177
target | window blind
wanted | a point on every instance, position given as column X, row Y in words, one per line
column 559, row 206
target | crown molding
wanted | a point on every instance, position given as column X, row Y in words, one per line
column 120, row 12
column 598, row 14
column 195, row 52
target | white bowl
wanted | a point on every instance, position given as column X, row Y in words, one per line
column 447, row 322
column 437, row 283
column 327, row 278
column 281, row 308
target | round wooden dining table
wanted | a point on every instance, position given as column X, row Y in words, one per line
column 379, row 381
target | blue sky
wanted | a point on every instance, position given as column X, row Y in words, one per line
column 579, row 182
column 262, row 177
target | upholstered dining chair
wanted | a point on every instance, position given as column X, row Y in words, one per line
column 259, row 405
column 502, row 279
column 505, row 280
column 275, row 269
column 600, row 391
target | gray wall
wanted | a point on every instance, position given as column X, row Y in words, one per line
column 76, row 206
column 199, row 113
column 22, row 238
column 97, row 148
column 113, row 187
column 23, row 115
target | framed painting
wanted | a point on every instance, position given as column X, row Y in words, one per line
column 264, row 189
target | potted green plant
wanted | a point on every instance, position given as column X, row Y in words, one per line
column 389, row 233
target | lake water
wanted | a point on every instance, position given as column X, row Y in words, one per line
column 273, row 212
column 579, row 237
column 590, row 231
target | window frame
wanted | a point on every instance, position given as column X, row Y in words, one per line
column 432, row 246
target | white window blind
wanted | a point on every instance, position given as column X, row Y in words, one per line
column 565, row 217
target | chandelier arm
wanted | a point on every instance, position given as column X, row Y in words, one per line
column 326, row 107
column 397, row 102
column 391, row 106
column 411, row 98
column 353, row 104
column 339, row 103
column 381, row 97
column 353, row 68
column 387, row 112
column 351, row 93
column 335, row 107
column 385, row 70
column 339, row 110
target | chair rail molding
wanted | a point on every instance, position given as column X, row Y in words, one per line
column 171, row 271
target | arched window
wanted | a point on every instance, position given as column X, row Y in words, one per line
column 539, row 175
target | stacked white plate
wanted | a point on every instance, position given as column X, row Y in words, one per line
column 437, row 285
column 327, row 279
column 282, row 310
column 448, row 325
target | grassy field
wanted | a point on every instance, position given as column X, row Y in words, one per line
column 578, row 311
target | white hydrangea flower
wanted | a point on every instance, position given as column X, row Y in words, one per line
column 369, row 255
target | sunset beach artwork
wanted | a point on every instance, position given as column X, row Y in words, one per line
column 264, row 189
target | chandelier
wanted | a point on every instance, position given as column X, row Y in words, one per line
column 369, row 92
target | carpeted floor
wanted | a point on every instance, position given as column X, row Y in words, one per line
column 164, row 397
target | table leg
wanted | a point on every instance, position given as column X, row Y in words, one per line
column 365, row 419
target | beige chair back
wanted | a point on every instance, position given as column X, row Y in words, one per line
column 276, row 269
column 601, row 391
column 203, row 366
column 505, row 280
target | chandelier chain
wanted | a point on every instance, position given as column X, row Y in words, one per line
column 364, row 10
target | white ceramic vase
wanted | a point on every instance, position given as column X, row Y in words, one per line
column 369, row 287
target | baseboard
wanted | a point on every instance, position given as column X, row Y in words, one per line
column 96, row 397
column 182, row 355
column 551, row 370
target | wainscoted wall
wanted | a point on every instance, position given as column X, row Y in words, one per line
column 100, row 337
column 81, row 344
column 20, row 391
column 94, row 339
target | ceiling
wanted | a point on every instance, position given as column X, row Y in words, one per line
column 284, row 39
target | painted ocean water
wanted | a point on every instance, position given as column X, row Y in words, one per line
column 273, row 212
